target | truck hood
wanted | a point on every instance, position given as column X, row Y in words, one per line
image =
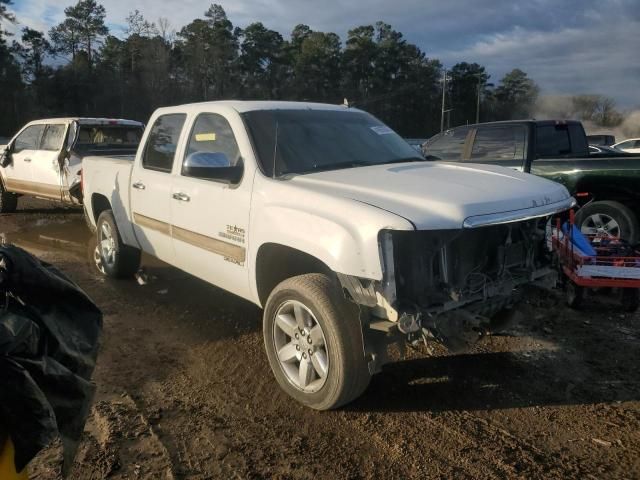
column 444, row 195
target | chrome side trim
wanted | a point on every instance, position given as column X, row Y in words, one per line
column 228, row 250
column 519, row 215
column 151, row 223
column 213, row 245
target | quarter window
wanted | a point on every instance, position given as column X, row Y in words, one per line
column 212, row 134
column 29, row 139
column 53, row 137
column 499, row 143
column 162, row 143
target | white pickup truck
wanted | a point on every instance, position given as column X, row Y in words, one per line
column 44, row 157
column 332, row 223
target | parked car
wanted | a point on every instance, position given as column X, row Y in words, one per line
column 332, row 223
column 631, row 145
column 601, row 140
column 601, row 150
column 44, row 158
column 606, row 185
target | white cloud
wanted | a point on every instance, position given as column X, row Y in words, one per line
column 600, row 58
column 573, row 46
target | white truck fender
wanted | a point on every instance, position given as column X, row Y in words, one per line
column 115, row 188
column 341, row 233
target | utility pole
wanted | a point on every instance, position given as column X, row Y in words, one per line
column 444, row 89
column 482, row 82
column 478, row 102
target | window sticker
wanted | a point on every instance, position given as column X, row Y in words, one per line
column 205, row 137
column 382, row 130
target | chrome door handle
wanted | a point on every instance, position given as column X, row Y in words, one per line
column 27, row 160
column 183, row 197
column 139, row 185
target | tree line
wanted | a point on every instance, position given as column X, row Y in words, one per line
column 80, row 68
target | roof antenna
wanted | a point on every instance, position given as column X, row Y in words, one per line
column 275, row 150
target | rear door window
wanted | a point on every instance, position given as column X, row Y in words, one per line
column 447, row 145
column 29, row 139
column 53, row 137
column 552, row 141
column 163, row 142
column 499, row 143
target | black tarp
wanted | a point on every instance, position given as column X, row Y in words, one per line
column 49, row 332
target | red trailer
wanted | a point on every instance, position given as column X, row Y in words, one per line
column 604, row 262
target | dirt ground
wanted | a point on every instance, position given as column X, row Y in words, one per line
column 184, row 390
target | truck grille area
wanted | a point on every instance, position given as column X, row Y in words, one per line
column 442, row 270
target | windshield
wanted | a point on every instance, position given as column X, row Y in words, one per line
column 307, row 141
column 103, row 137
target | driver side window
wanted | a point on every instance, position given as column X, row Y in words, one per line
column 212, row 133
column 29, row 139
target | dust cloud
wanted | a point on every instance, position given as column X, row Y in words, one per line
column 563, row 107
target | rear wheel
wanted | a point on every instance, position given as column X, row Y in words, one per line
column 117, row 259
column 8, row 201
column 608, row 219
column 313, row 340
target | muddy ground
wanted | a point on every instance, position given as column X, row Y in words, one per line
column 184, row 390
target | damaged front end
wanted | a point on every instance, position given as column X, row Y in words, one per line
column 453, row 286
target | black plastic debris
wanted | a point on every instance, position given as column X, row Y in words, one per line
column 49, row 332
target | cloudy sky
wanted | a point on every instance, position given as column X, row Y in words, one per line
column 566, row 46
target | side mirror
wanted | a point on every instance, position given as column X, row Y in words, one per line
column 5, row 159
column 212, row 166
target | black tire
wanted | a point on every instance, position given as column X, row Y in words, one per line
column 574, row 294
column 8, row 201
column 630, row 299
column 626, row 219
column 125, row 260
column 348, row 375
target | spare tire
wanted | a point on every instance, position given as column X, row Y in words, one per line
column 608, row 218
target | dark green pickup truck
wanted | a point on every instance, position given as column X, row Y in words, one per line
column 606, row 186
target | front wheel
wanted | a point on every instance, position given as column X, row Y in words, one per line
column 313, row 340
column 117, row 259
column 608, row 219
column 8, row 201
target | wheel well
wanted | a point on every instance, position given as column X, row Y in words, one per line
column 616, row 193
column 99, row 203
column 275, row 263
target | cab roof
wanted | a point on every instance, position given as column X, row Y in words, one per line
column 88, row 121
column 242, row 106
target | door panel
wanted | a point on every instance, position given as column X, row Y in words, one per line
column 151, row 187
column 45, row 166
column 17, row 175
column 210, row 218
